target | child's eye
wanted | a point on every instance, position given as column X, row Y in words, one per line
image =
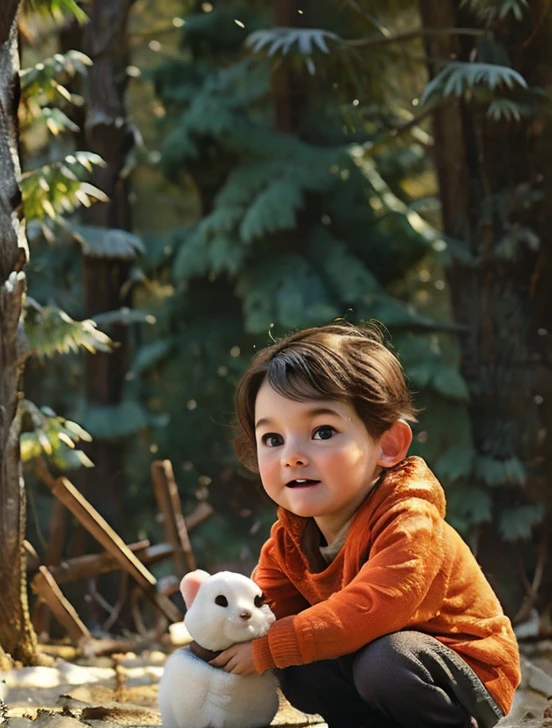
column 326, row 432
column 271, row 439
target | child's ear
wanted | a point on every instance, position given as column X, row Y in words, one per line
column 394, row 444
column 189, row 586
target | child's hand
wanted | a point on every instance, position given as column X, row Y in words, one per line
column 237, row 659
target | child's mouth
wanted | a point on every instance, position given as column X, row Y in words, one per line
column 301, row 483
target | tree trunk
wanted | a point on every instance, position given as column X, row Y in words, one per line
column 489, row 175
column 16, row 633
column 107, row 133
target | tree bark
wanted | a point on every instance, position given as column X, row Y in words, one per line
column 17, row 636
column 107, row 133
column 490, row 174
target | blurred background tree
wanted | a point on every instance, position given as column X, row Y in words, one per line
column 274, row 165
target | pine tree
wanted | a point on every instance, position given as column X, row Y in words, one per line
column 302, row 220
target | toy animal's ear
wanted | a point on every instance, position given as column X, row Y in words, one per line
column 189, row 586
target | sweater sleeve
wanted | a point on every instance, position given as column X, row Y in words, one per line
column 280, row 593
column 406, row 555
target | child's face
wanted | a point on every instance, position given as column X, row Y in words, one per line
column 316, row 458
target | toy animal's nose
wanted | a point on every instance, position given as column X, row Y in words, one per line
column 245, row 615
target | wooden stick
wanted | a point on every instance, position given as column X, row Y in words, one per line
column 56, row 537
column 96, row 525
column 32, row 559
column 54, row 552
column 82, row 567
column 44, row 584
column 168, row 501
column 201, row 512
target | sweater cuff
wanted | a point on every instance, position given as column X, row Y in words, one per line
column 279, row 649
column 261, row 655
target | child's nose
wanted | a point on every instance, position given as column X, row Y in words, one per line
column 295, row 460
column 293, row 456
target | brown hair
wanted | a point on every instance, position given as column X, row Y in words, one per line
column 339, row 361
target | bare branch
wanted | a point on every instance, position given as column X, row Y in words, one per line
column 383, row 40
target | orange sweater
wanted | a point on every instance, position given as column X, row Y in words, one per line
column 401, row 567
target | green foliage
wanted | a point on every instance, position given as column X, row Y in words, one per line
column 299, row 228
column 43, row 80
column 282, row 40
column 517, row 524
column 500, row 473
column 517, row 239
column 125, row 316
column 100, row 242
column 296, row 230
column 52, row 331
column 46, row 435
column 458, row 77
column 58, row 9
column 501, row 240
column 507, row 110
column 468, row 506
column 118, row 421
column 57, row 189
column 489, row 11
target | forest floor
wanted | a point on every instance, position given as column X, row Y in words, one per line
column 120, row 691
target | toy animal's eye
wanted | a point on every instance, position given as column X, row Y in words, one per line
column 259, row 601
column 221, row 600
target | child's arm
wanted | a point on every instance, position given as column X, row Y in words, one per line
column 281, row 595
column 406, row 556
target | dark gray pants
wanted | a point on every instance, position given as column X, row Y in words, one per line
column 407, row 679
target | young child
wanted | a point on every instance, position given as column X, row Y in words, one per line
column 384, row 617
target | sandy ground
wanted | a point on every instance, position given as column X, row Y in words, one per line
column 121, row 690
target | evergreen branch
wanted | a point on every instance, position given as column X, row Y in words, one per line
column 98, row 242
column 282, row 39
column 50, row 330
column 58, row 9
column 124, row 316
column 384, row 40
column 51, row 436
column 56, row 120
column 457, row 77
column 43, row 77
column 120, row 420
column 413, row 122
column 55, row 189
column 308, row 40
column 489, row 11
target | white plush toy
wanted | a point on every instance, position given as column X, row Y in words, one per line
column 222, row 609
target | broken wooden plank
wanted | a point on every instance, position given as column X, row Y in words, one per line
column 57, row 534
column 82, row 567
column 200, row 513
column 44, row 584
column 98, row 527
column 168, row 501
column 54, row 551
column 32, row 559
